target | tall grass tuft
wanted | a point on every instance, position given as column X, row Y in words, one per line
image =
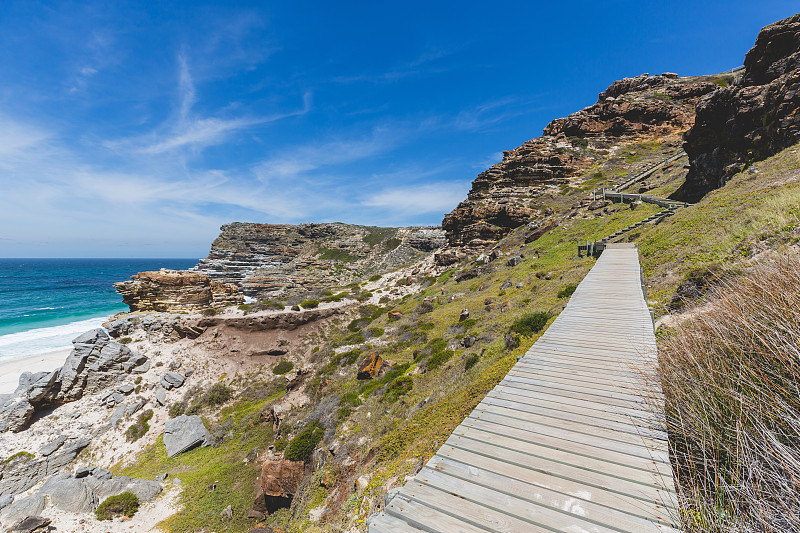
column 731, row 384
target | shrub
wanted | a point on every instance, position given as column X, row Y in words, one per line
column 126, row 340
column 282, row 368
column 470, row 361
column 391, row 244
column 140, row 427
column 244, row 307
column 437, row 359
column 364, row 296
column 400, row 386
column 125, row 504
column 468, row 323
column 731, row 386
column 531, row 323
column 376, row 332
column 217, row 394
column 301, row 447
column 281, row 444
column 309, row 304
column 271, row 304
column 376, row 277
column 209, row 312
column 177, row 409
column 567, row 291
column 336, row 297
column 20, row 455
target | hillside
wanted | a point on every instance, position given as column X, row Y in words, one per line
column 364, row 347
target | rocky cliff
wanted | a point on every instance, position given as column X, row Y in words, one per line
column 754, row 118
column 521, row 188
column 174, row 291
column 280, row 260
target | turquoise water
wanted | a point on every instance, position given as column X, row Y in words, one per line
column 45, row 303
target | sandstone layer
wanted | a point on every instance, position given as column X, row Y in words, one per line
column 752, row 119
column 521, row 187
column 280, row 260
column 174, row 291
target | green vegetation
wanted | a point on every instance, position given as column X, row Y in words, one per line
column 567, row 291
column 303, row 444
column 271, row 304
column 126, row 340
column 217, row 394
column 391, row 244
column 20, row 455
column 283, row 367
column 140, row 427
column 335, row 254
column 376, row 277
column 309, row 304
column 336, row 297
column 244, row 307
column 531, row 323
column 221, row 465
column 210, row 311
column 470, row 361
column 125, row 504
column 376, row 332
column 378, row 235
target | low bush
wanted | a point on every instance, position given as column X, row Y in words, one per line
column 177, row 409
column 126, row 340
column 398, row 387
column 531, row 323
column 470, row 361
column 281, row 444
column 376, row 332
column 244, row 307
column 567, row 291
column 376, row 277
column 302, row 445
column 309, row 304
column 125, row 504
column 140, row 427
column 209, row 312
column 282, row 368
column 217, row 394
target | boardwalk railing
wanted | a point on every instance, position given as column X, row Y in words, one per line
column 571, row 440
column 647, row 172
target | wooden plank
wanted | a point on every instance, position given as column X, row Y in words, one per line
column 537, row 495
column 427, row 518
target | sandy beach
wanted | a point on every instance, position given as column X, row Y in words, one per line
column 45, row 362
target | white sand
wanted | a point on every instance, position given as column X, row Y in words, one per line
column 45, row 362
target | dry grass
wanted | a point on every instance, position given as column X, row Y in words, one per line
column 731, row 383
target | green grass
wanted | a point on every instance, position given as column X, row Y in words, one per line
column 283, row 367
column 335, row 254
column 309, row 304
column 221, row 465
column 140, row 427
column 302, row 445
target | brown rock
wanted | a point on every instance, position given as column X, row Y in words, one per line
column 751, row 119
column 176, row 291
column 370, row 366
column 395, row 315
column 281, row 477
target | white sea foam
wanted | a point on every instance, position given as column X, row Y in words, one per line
column 41, row 340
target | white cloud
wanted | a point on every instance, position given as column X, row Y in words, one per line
column 419, row 199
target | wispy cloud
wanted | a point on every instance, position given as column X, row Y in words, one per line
column 188, row 129
column 419, row 199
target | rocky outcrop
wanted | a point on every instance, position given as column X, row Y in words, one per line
column 281, row 260
column 756, row 117
column 520, row 188
column 175, row 291
column 22, row 471
column 95, row 363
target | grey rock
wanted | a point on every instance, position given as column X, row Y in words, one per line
column 102, row 473
column 20, row 475
column 161, row 478
column 134, row 408
column 176, row 481
column 22, row 508
column 520, row 285
column 171, row 379
column 84, row 471
column 72, row 495
column 188, row 372
column 161, row 396
column 117, row 415
column 94, row 336
column 126, row 388
column 513, row 261
column 30, row 524
column 505, row 285
column 53, row 481
column 144, row 489
column 15, row 414
column 52, row 446
column 142, row 368
column 6, row 500
column 175, row 365
column 183, row 433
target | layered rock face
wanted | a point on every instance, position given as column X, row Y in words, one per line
column 174, row 291
column 751, row 120
column 514, row 191
column 280, row 260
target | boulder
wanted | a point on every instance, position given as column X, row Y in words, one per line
column 144, row 489
column 22, row 508
column 23, row 472
column 395, row 315
column 161, row 396
column 83, row 471
column 281, row 477
column 370, row 366
column 513, row 261
column 172, row 380
column 15, row 414
column 464, row 315
column 6, row 500
column 71, row 495
column 125, row 388
column 117, row 415
column 31, row 524
column 183, row 433
column 52, row 446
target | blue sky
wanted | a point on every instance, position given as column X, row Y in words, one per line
column 135, row 129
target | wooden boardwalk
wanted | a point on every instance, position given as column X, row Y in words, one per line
column 566, row 442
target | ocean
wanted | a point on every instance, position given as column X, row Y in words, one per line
column 45, row 303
